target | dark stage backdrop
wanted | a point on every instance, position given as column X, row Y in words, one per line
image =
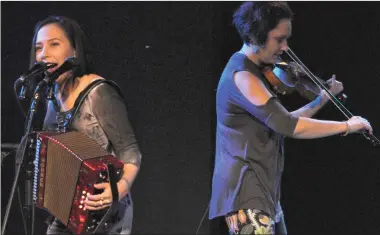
column 167, row 58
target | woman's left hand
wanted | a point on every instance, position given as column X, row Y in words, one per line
column 335, row 86
column 99, row 201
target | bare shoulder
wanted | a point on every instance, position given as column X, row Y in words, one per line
column 86, row 80
column 89, row 78
column 252, row 87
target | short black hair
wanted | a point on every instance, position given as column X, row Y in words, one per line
column 254, row 20
column 77, row 40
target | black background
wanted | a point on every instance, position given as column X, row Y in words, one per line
column 167, row 58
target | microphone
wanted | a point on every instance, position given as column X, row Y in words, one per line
column 40, row 67
column 36, row 68
column 70, row 63
column 26, row 80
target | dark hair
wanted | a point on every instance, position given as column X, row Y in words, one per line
column 76, row 38
column 254, row 20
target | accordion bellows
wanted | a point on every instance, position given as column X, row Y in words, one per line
column 66, row 167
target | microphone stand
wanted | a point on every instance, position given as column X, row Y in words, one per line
column 27, row 147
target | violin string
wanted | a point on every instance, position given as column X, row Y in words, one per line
column 372, row 138
column 335, row 101
column 306, row 70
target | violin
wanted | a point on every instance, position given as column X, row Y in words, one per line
column 286, row 78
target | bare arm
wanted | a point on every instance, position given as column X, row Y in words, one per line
column 311, row 108
column 129, row 176
column 308, row 128
column 257, row 94
column 110, row 111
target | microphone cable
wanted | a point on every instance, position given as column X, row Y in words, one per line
column 201, row 222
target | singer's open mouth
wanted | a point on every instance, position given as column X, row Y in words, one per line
column 52, row 69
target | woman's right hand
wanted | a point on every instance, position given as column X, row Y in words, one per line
column 358, row 124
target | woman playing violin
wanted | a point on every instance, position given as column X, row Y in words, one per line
column 252, row 123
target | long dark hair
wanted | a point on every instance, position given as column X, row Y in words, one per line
column 77, row 40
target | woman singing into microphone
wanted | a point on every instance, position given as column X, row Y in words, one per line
column 100, row 113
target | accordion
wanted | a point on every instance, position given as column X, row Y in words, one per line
column 67, row 165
